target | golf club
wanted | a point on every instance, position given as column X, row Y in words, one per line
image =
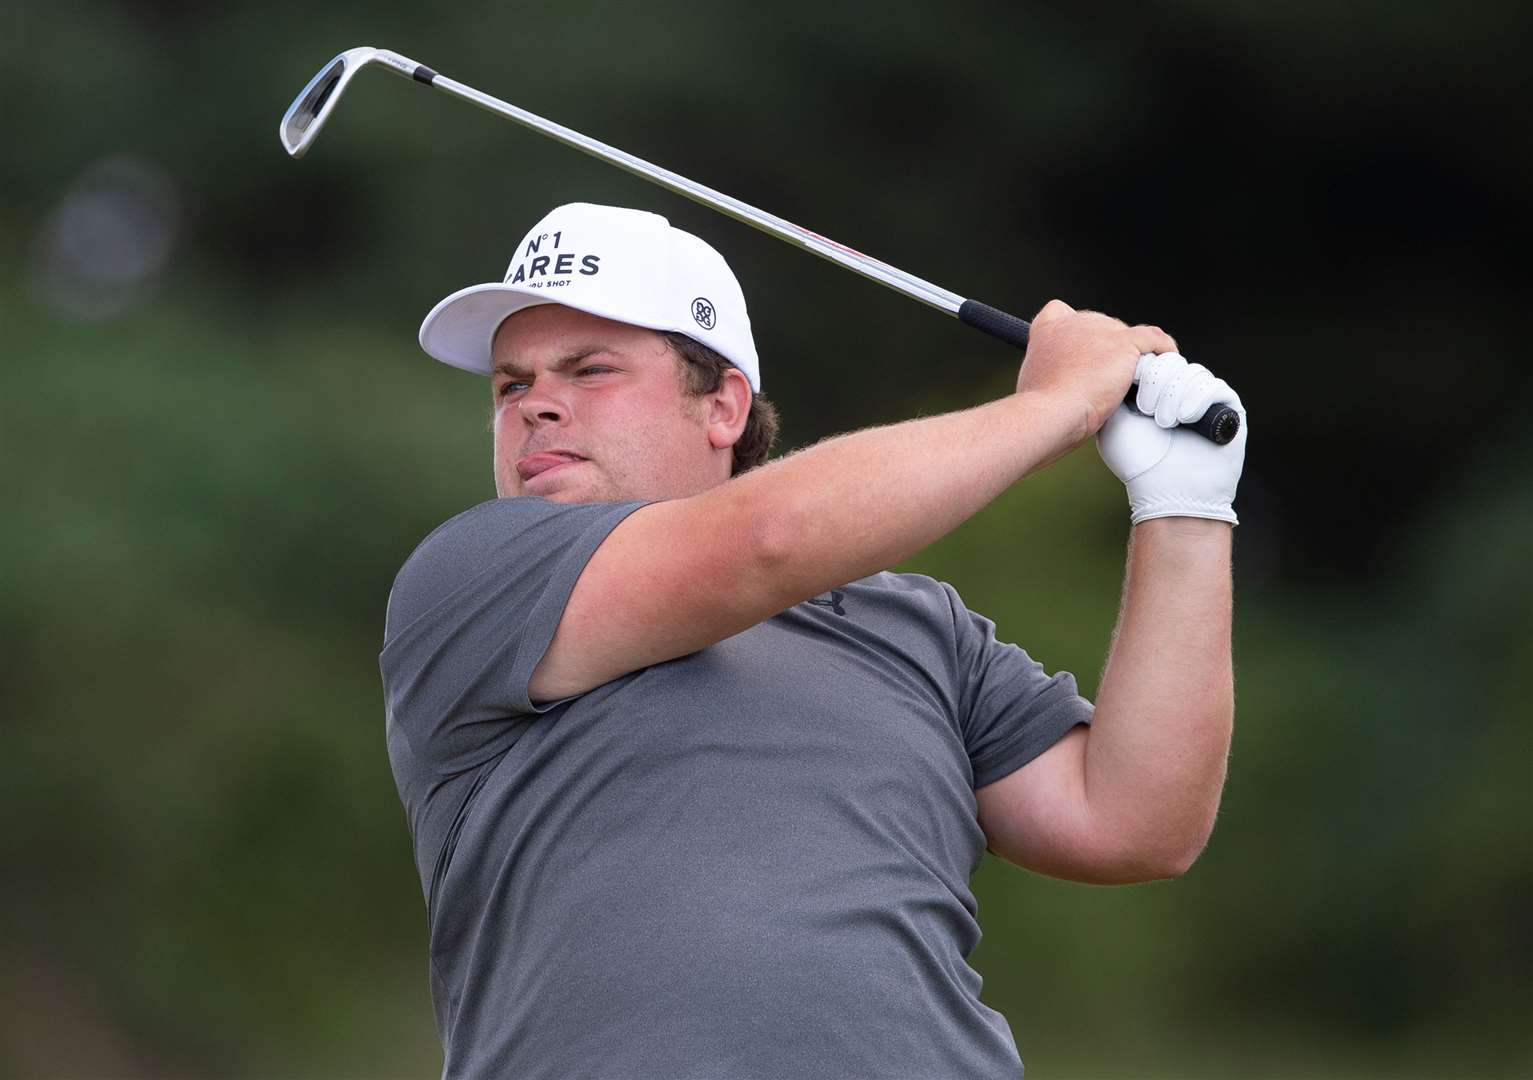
column 305, row 118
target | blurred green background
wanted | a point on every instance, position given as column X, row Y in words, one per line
column 220, row 440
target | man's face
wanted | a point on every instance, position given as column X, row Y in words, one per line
column 591, row 410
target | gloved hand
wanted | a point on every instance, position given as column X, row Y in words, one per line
column 1169, row 471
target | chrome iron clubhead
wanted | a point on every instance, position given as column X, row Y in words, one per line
column 307, row 114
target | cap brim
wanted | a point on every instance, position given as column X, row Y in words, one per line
column 461, row 328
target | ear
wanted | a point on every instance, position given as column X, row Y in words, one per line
column 728, row 408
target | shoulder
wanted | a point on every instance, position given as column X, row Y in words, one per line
column 933, row 607
column 524, row 531
column 908, row 588
column 499, row 524
column 489, row 520
column 909, row 596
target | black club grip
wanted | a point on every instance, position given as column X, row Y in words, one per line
column 995, row 322
column 1219, row 425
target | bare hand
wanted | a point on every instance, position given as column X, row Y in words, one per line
column 1084, row 361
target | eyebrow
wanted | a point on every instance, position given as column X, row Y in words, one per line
column 564, row 363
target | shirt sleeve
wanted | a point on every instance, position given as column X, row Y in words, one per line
column 1010, row 708
column 471, row 613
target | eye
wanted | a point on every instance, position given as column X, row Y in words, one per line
column 510, row 386
column 594, row 369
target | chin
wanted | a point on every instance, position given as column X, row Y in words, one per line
column 571, row 491
column 514, row 486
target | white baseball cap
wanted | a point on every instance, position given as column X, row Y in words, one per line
column 626, row 265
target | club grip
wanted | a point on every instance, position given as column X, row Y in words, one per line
column 1218, row 425
column 995, row 322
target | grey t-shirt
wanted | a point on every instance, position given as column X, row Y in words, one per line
column 752, row 861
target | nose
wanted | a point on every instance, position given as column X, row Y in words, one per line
column 541, row 404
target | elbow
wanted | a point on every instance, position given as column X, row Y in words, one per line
column 1143, row 867
column 753, row 531
column 1176, row 858
column 778, row 568
column 769, row 537
column 1161, row 858
column 776, row 538
column 1178, row 861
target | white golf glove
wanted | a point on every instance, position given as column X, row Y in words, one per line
column 1172, row 471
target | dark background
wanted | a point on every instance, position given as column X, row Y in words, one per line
column 220, row 440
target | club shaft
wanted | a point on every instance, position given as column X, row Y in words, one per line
column 1219, row 424
column 869, row 267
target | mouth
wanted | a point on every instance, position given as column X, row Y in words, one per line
column 545, row 461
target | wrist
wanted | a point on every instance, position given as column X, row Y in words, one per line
column 1181, row 526
column 1066, row 419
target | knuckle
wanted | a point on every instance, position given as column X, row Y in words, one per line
column 1054, row 309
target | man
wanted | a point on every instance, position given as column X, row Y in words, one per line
column 696, row 787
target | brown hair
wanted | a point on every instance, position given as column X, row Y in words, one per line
column 702, row 372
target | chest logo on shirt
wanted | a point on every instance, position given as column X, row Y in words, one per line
column 831, row 600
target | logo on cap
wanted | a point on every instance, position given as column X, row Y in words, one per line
column 702, row 312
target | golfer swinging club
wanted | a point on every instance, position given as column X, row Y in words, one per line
column 695, row 785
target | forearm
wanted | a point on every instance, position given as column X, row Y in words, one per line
column 857, row 504
column 1156, row 754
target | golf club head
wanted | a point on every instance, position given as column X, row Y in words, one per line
column 307, row 114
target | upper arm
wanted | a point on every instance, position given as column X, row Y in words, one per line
column 1036, row 816
column 1039, row 818
column 1026, row 733
column 672, row 578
